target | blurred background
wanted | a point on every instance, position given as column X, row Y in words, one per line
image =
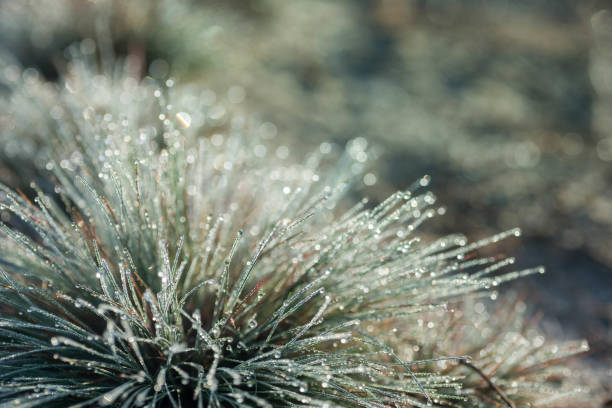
column 506, row 104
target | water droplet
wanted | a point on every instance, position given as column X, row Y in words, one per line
column 184, row 119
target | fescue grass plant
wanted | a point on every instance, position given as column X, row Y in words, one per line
column 176, row 254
